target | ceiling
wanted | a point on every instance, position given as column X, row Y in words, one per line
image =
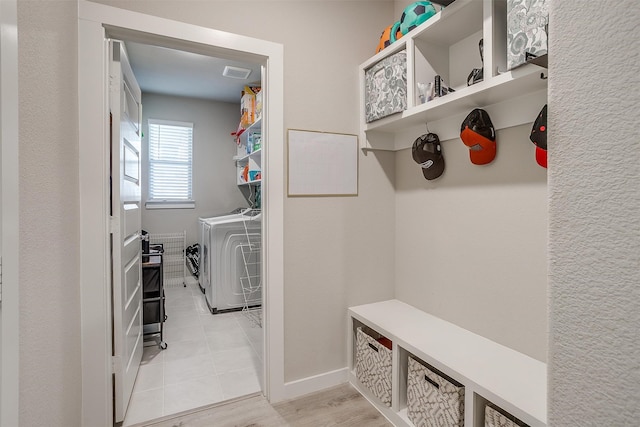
column 174, row 72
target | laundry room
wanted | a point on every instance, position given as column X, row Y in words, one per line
column 201, row 221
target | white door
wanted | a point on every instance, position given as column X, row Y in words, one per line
column 125, row 106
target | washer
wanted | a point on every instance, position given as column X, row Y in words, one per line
column 230, row 265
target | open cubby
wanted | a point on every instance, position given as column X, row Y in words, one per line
column 448, row 47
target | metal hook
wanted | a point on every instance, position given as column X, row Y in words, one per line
column 543, row 77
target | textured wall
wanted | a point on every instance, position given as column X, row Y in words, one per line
column 214, row 172
column 49, row 211
column 594, row 227
column 472, row 245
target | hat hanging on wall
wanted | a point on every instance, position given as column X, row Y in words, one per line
column 478, row 134
column 427, row 153
column 539, row 137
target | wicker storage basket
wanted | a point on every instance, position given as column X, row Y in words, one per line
column 494, row 418
column 432, row 399
column 373, row 366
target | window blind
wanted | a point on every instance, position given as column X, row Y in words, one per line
column 170, row 161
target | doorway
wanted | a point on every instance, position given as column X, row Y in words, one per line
column 193, row 358
column 96, row 22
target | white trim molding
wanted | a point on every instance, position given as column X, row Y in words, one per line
column 97, row 21
column 315, row 383
column 10, row 309
column 165, row 204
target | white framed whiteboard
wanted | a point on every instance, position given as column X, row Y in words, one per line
column 322, row 163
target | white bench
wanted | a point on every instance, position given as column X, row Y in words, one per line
column 489, row 371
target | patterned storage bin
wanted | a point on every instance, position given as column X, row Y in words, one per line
column 373, row 366
column 386, row 87
column 494, row 418
column 527, row 22
column 432, row 399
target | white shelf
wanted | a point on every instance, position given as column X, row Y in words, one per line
column 451, row 25
column 244, row 159
column 489, row 371
column 447, row 45
column 257, row 125
column 253, row 160
column 504, row 87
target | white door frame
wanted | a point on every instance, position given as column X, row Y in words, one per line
column 10, row 305
column 93, row 23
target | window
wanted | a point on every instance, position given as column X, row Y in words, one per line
column 170, row 164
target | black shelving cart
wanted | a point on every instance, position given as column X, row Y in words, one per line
column 153, row 310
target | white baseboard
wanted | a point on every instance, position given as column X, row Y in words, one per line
column 315, row 383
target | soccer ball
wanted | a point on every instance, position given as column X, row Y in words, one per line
column 415, row 14
column 389, row 35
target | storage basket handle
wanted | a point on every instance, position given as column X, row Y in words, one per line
column 373, row 346
column 432, row 382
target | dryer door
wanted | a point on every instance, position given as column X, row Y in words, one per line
column 235, row 261
column 205, row 268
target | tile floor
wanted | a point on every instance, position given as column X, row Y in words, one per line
column 209, row 358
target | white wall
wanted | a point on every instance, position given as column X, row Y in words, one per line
column 594, row 214
column 471, row 246
column 214, row 172
column 50, row 391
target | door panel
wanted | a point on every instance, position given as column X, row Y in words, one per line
column 132, row 221
column 130, row 106
column 131, row 250
column 124, row 103
column 131, row 287
column 131, row 163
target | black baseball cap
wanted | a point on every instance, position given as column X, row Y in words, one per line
column 427, row 153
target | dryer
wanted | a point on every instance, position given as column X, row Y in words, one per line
column 203, row 226
column 234, row 258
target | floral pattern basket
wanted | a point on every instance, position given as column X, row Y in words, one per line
column 527, row 23
column 386, row 87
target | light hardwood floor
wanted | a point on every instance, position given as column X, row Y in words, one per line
column 337, row 406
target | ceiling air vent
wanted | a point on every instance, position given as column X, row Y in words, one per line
column 236, row 72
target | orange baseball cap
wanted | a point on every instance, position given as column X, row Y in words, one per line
column 478, row 134
column 539, row 137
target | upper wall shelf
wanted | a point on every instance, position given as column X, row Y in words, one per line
column 447, row 45
column 500, row 88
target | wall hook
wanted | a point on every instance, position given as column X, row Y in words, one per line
column 427, row 126
column 543, row 77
